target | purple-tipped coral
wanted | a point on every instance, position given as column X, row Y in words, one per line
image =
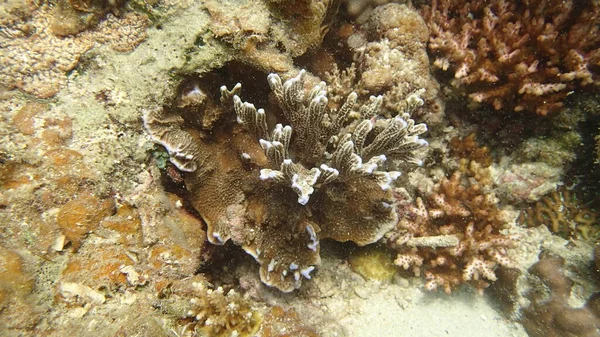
column 453, row 237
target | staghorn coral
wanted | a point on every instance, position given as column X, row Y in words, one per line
column 523, row 56
column 453, row 237
column 276, row 194
column 564, row 214
column 36, row 61
column 549, row 314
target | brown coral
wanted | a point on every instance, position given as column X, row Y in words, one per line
column 550, row 315
column 468, row 148
column 523, row 56
column 474, row 160
column 454, row 237
column 277, row 194
column 564, row 214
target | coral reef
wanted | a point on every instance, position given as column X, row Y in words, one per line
column 321, row 176
column 564, row 214
column 549, row 313
column 36, row 60
column 525, row 56
column 453, row 237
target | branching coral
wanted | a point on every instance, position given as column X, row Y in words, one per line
column 524, row 56
column 317, row 128
column 390, row 58
column 474, row 160
column 276, row 194
column 454, row 237
column 564, row 214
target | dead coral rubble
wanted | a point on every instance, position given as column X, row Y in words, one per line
column 524, row 56
column 276, row 194
column 453, row 237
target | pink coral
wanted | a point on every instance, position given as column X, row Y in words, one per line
column 453, row 237
column 525, row 56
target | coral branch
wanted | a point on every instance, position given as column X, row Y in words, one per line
column 316, row 127
column 454, row 237
column 521, row 56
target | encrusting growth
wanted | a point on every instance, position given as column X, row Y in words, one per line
column 326, row 138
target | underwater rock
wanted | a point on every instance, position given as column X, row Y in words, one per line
column 550, row 314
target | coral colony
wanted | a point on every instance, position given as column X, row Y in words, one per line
column 499, row 50
column 321, row 155
column 315, row 128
